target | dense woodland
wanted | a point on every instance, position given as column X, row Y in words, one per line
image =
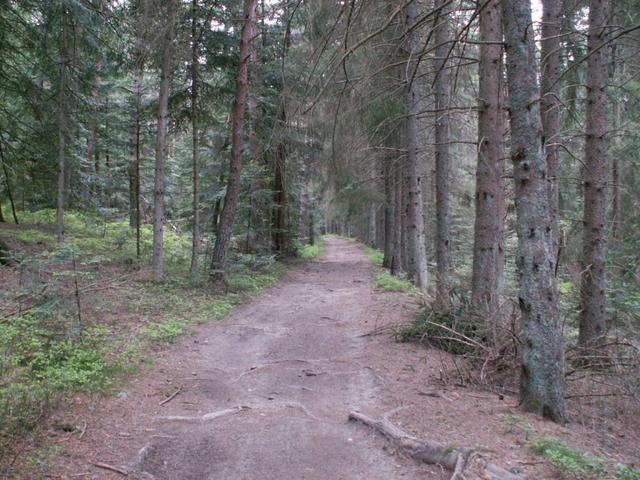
column 485, row 151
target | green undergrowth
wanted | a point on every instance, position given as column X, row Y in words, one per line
column 579, row 465
column 375, row 256
column 311, row 252
column 42, row 360
column 62, row 343
column 93, row 234
column 385, row 282
column 571, row 463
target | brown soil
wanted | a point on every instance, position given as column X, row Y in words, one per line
column 265, row 394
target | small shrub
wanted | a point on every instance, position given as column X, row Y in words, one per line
column 568, row 460
column 68, row 366
column 21, row 406
column 622, row 472
column 310, row 252
column 166, row 331
column 386, row 282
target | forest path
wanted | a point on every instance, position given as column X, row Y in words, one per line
column 265, row 393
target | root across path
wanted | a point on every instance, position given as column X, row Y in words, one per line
column 267, row 394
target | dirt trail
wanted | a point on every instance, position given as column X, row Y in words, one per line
column 265, row 393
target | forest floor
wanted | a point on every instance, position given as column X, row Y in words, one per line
column 266, row 392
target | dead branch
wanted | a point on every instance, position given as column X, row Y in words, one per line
column 106, row 466
column 171, row 397
column 455, row 459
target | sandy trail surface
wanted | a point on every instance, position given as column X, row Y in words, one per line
column 264, row 394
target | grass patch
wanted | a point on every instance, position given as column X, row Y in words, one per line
column 166, row 331
column 311, row 252
column 568, row 460
column 375, row 256
column 385, row 282
column 578, row 465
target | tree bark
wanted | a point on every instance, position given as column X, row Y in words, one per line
column 281, row 235
column 225, row 228
column 371, row 238
column 442, row 94
column 62, row 131
column 488, row 250
column 195, row 231
column 5, row 170
column 396, row 255
column 257, row 236
column 550, row 102
column 542, row 374
column 593, row 291
column 389, row 208
column 617, row 177
column 416, row 243
column 161, row 141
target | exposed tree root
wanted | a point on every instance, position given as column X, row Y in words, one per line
column 465, row 463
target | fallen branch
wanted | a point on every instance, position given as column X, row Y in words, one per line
column 171, row 397
column 119, row 470
column 455, row 459
column 204, row 418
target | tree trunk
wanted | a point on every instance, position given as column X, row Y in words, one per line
column 195, row 233
column 134, row 151
column 389, row 209
column 62, row 132
column 161, row 140
column 593, row 291
column 396, row 256
column 542, row 375
column 281, row 235
column 225, row 229
column 442, row 94
column 488, row 251
column 415, row 232
column 8, row 184
column 279, row 194
column 550, row 102
column 372, row 225
column 257, row 238
column 616, row 162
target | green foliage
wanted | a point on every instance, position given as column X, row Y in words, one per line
column 166, row 331
column 376, row 256
column 568, row 460
column 66, row 365
column 385, row 282
column 37, row 367
column 311, row 252
column 46, row 353
column 115, row 240
column 622, row 472
column 21, row 406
